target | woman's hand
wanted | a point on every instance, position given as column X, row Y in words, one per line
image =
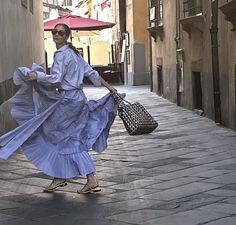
column 31, row 76
column 113, row 91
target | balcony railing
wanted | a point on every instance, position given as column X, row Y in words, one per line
column 192, row 7
column 229, row 10
column 156, row 17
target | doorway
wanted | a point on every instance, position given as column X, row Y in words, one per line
column 197, row 92
column 159, row 80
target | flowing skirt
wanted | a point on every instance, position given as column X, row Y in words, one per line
column 56, row 129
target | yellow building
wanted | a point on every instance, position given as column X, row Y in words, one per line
column 99, row 51
column 131, row 19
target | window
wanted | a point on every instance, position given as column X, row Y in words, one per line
column 52, row 2
column 67, row 3
column 156, row 16
column 192, row 7
column 45, row 15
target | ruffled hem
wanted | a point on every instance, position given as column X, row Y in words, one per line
column 54, row 164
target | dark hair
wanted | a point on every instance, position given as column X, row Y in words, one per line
column 68, row 34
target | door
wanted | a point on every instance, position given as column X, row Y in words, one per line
column 159, row 80
column 197, row 91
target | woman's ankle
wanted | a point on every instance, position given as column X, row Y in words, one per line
column 92, row 179
column 90, row 175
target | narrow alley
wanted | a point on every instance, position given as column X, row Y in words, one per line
column 184, row 173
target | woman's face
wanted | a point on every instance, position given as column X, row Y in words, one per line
column 59, row 35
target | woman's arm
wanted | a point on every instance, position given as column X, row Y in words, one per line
column 108, row 86
column 56, row 75
column 96, row 78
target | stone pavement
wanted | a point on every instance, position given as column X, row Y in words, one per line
column 184, row 173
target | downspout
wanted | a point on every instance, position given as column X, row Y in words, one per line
column 177, row 41
column 150, row 49
column 122, row 16
column 215, row 60
column 122, row 24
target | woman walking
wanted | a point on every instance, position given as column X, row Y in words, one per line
column 57, row 126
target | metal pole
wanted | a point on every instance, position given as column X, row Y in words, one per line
column 122, row 24
column 122, row 16
column 88, row 51
column 150, row 49
column 46, row 62
column 215, row 60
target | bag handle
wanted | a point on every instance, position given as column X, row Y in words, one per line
column 119, row 99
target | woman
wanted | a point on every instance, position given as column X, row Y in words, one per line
column 57, row 125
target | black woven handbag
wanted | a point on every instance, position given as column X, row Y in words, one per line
column 136, row 118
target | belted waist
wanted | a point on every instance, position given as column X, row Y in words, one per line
column 73, row 89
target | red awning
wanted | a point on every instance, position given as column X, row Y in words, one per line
column 78, row 23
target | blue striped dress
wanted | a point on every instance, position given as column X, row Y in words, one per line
column 57, row 125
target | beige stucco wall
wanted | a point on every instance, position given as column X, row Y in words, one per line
column 227, row 61
column 164, row 52
column 115, row 18
column 136, row 24
column 137, row 49
column 140, row 25
column 21, row 36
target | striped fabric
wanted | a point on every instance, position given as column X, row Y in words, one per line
column 57, row 128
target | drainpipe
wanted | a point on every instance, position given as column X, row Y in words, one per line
column 122, row 25
column 215, row 60
column 177, row 41
column 150, row 49
column 122, row 16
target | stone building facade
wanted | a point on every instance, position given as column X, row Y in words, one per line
column 193, row 55
column 21, row 40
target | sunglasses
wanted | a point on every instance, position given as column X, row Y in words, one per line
column 60, row 32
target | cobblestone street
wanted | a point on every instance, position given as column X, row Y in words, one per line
column 184, row 173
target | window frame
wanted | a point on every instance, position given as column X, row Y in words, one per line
column 192, row 8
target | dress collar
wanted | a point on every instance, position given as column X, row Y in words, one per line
column 63, row 48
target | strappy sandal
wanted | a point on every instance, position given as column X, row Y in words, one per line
column 91, row 186
column 55, row 184
column 87, row 189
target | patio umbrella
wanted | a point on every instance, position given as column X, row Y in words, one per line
column 78, row 23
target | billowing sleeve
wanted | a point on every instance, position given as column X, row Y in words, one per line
column 92, row 74
column 57, row 71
